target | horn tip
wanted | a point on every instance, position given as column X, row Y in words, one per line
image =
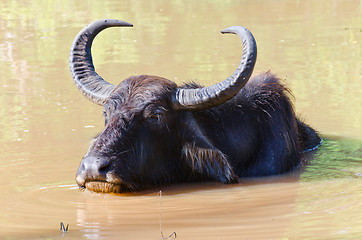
column 116, row 22
column 233, row 29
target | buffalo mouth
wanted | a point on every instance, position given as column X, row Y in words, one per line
column 106, row 187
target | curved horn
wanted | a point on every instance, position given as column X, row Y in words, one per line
column 81, row 65
column 207, row 97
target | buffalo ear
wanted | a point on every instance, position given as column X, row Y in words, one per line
column 203, row 157
column 209, row 162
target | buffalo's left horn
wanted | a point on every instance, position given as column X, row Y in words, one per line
column 81, row 65
column 207, row 97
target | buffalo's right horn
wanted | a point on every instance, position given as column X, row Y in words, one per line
column 81, row 65
column 207, row 97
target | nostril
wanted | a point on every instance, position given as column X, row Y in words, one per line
column 103, row 165
column 94, row 168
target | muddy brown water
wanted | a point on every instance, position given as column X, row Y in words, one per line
column 46, row 125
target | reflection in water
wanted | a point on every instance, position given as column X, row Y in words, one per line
column 314, row 46
column 195, row 214
column 339, row 158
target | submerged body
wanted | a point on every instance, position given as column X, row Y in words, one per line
column 157, row 133
column 257, row 130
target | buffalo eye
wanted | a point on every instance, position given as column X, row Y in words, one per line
column 155, row 113
column 156, row 116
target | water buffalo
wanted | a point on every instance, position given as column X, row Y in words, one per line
column 158, row 133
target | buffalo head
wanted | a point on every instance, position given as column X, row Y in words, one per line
column 151, row 137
